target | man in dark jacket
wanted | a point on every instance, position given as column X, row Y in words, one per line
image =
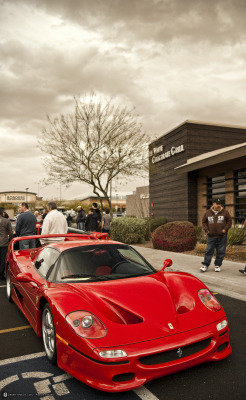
column 6, row 235
column 216, row 222
column 80, row 219
column 26, row 226
column 91, row 221
column 97, row 216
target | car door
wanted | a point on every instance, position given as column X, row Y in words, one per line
column 34, row 289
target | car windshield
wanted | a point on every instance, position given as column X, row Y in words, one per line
column 99, row 263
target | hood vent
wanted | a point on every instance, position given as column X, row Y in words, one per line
column 121, row 315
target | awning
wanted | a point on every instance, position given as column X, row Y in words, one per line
column 213, row 157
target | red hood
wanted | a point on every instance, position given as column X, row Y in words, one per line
column 139, row 309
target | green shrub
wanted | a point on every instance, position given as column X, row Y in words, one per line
column 154, row 223
column 129, row 230
column 175, row 236
column 201, row 236
column 236, row 235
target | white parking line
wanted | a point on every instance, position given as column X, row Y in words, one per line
column 8, row 380
column 21, row 358
column 36, row 374
column 61, row 378
column 145, row 394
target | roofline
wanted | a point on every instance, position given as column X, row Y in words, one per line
column 18, row 191
column 189, row 121
column 228, row 154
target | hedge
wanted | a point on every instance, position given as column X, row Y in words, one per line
column 154, row 223
column 175, row 236
column 129, row 230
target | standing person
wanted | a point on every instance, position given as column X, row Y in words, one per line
column 69, row 219
column 243, row 271
column 26, row 226
column 54, row 222
column 5, row 215
column 6, row 234
column 216, row 222
column 44, row 213
column 97, row 216
column 38, row 216
column 91, row 221
column 80, row 220
column 106, row 221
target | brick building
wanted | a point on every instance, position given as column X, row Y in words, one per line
column 137, row 204
column 192, row 164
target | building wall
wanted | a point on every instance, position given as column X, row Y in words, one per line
column 17, row 197
column 137, row 205
column 176, row 196
column 131, row 205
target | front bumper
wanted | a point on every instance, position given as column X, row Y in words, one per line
column 145, row 360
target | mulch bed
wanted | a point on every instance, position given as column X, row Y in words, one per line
column 235, row 253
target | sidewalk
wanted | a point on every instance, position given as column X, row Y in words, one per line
column 229, row 281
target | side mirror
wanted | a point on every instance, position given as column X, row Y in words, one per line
column 167, row 263
column 27, row 278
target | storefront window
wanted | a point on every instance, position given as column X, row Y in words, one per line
column 215, row 188
column 240, row 195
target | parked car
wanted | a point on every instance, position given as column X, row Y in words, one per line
column 110, row 319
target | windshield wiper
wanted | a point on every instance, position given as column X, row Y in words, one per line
column 104, row 278
column 120, row 276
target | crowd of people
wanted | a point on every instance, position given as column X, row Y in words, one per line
column 93, row 221
column 216, row 222
column 52, row 221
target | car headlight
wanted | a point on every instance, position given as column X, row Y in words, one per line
column 209, row 300
column 112, row 354
column 222, row 325
column 86, row 324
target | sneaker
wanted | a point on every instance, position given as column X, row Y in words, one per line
column 217, row 269
column 203, row 268
column 243, row 271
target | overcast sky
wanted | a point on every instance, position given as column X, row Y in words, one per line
column 172, row 59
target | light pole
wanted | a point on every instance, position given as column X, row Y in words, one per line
column 26, row 194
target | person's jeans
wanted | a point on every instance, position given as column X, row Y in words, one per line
column 81, row 225
column 218, row 244
column 3, row 253
column 27, row 244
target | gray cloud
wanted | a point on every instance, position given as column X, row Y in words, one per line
column 157, row 20
column 173, row 60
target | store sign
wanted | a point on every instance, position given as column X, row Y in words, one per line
column 156, row 157
column 16, row 198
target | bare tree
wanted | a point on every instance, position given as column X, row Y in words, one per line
column 97, row 143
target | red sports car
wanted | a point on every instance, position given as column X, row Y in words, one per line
column 110, row 319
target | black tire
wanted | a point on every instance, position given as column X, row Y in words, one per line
column 8, row 285
column 49, row 334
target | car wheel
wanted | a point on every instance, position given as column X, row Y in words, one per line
column 8, row 286
column 49, row 335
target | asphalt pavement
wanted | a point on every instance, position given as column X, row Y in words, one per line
column 229, row 281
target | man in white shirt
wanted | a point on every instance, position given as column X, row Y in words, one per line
column 54, row 222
